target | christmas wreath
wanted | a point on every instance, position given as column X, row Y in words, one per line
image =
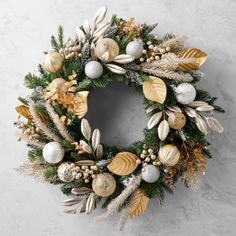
column 65, row 150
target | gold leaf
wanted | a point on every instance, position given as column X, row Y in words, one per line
column 155, row 89
column 138, row 204
column 199, row 56
column 124, row 163
column 24, row 111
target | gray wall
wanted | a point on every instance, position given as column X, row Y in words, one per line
column 28, row 208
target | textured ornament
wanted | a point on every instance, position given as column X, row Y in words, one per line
column 65, row 172
column 53, row 62
column 135, row 49
column 93, row 69
column 177, row 121
column 107, row 49
column 154, row 89
column 185, row 93
column 150, row 173
column 53, row 152
column 104, row 184
column 58, row 85
column 138, row 203
column 199, row 56
column 124, row 163
column 169, row 155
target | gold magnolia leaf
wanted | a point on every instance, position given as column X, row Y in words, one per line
column 124, row 163
column 199, row 56
column 154, row 89
column 138, row 204
column 24, row 111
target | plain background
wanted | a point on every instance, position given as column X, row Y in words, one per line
column 29, row 208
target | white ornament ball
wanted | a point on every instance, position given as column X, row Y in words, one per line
column 65, row 172
column 150, row 173
column 185, row 93
column 93, row 69
column 135, row 49
column 53, row 152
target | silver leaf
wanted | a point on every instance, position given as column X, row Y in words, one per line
column 86, row 129
column 154, row 120
column 214, row 124
column 163, row 130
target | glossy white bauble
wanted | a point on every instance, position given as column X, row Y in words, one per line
column 185, row 93
column 53, row 152
column 150, row 173
column 93, row 69
column 135, row 49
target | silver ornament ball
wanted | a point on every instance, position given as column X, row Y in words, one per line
column 185, row 93
column 93, row 69
column 150, row 173
column 53, row 152
column 135, row 49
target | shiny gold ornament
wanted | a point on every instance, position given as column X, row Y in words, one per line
column 53, row 62
column 199, row 56
column 104, row 184
column 154, row 89
column 124, row 163
column 177, row 121
column 138, row 203
column 23, row 110
column 169, row 155
column 107, row 49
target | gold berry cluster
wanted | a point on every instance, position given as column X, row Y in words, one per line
column 148, row 156
column 84, row 172
column 29, row 130
column 71, row 50
column 153, row 52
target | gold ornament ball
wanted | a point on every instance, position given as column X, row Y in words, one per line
column 177, row 121
column 57, row 85
column 107, row 49
column 104, row 184
column 53, row 62
column 169, row 155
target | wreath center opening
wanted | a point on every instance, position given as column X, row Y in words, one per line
column 119, row 113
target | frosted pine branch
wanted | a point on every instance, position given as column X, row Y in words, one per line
column 56, row 120
column 175, row 43
column 179, row 76
column 48, row 132
column 123, row 218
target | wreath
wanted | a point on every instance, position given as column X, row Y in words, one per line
column 65, row 150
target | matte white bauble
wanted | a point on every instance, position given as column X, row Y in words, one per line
column 135, row 49
column 93, row 69
column 185, row 93
column 150, row 173
column 53, row 152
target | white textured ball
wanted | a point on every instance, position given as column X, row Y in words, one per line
column 93, row 69
column 135, row 49
column 150, row 173
column 185, row 93
column 53, row 152
column 65, row 172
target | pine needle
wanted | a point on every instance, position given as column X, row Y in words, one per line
column 56, row 120
column 47, row 131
